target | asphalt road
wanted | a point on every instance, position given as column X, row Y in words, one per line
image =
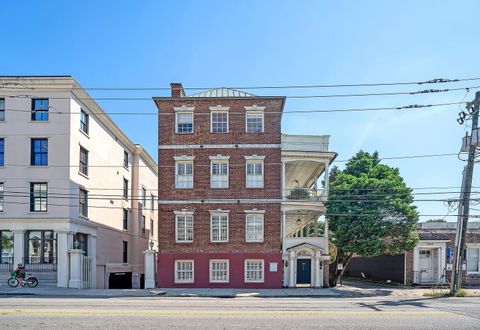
column 239, row 313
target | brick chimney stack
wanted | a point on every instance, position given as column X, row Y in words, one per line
column 177, row 90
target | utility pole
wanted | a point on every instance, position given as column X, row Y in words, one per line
column 464, row 204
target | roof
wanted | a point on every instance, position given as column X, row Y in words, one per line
column 223, row 92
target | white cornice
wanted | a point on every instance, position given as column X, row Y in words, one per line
column 254, row 157
column 184, row 158
column 254, row 108
column 219, row 211
column 184, row 108
column 219, row 108
column 219, row 157
column 218, row 146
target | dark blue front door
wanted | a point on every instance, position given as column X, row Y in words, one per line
column 304, row 267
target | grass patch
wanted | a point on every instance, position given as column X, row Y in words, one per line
column 459, row 293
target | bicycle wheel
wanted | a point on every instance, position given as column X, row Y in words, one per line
column 32, row 282
column 12, row 282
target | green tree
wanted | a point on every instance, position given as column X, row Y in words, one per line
column 370, row 211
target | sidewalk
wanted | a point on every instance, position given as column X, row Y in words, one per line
column 169, row 292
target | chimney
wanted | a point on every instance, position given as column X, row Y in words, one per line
column 177, row 90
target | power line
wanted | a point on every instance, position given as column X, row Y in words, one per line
column 130, row 113
column 302, row 86
column 425, row 91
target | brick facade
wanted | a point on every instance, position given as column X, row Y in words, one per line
column 236, row 199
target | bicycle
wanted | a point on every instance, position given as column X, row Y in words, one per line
column 30, row 281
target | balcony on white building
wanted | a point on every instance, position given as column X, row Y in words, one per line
column 305, row 163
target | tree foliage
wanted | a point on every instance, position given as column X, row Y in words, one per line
column 370, row 211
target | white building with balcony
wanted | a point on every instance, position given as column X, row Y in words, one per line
column 77, row 196
column 305, row 163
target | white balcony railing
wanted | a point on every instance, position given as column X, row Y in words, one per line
column 304, row 194
column 321, row 242
column 310, row 143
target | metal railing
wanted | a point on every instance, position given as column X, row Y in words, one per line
column 6, row 264
column 303, row 194
column 40, row 264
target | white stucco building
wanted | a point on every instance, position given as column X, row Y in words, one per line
column 77, row 196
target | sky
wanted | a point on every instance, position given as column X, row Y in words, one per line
column 206, row 43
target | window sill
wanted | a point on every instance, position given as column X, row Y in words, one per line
column 218, row 242
column 81, row 216
column 184, row 242
column 219, row 282
column 183, row 133
column 254, row 242
column 37, row 212
column 84, row 133
column 84, row 175
column 40, row 121
column 38, row 166
column 183, row 188
column 254, row 281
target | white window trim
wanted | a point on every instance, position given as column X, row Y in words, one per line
column 176, row 122
column 186, row 214
column 473, row 246
column 219, row 108
column 210, row 271
column 245, row 271
column 254, row 160
column 254, row 113
column 177, row 162
column 263, row 228
column 254, row 107
column 211, row 121
column 219, row 161
column 221, row 213
column 176, row 272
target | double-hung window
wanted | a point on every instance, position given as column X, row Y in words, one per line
column 144, row 197
column 2, row 109
column 184, row 122
column 2, row 200
column 125, row 189
column 2, row 152
column 219, row 271
column 184, row 228
column 84, row 121
column 473, row 259
column 219, row 227
column 219, row 172
column 151, row 227
column 38, row 197
column 254, row 175
column 83, row 202
column 184, row 174
column 125, row 251
column 40, row 109
column 254, row 228
column 125, row 159
column 254, row 271
column 83, row 164
column 125, row 220
column 254, row 122
column 39, row 152
column 219, row 122
column 152, row 203
column 184, row 271
column 143, row 224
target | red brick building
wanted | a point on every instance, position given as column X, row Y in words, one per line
column 222, row 191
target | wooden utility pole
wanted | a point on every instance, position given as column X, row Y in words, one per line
column 464, row 203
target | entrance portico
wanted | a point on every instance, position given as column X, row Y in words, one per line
column 304, row 265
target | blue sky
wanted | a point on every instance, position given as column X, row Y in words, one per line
column 258, row 43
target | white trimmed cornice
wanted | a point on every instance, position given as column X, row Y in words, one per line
column 254, row 157
column 254, row 211
column 219, row 211
column 254, row 108
column 219, row 108
column 183, row 212
column 219, row 157
column 184, row 158
column 184, row 108
column 218, row 146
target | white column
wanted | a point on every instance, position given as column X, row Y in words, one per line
column 317, row 270
column 284, row 230
column 92, row 253
column 62, row 259
column 325, row 234
column 150, row 269
column 283, row 180
column 18, row 246
column 327, row 179
column 291, row 265
column 75, row 268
